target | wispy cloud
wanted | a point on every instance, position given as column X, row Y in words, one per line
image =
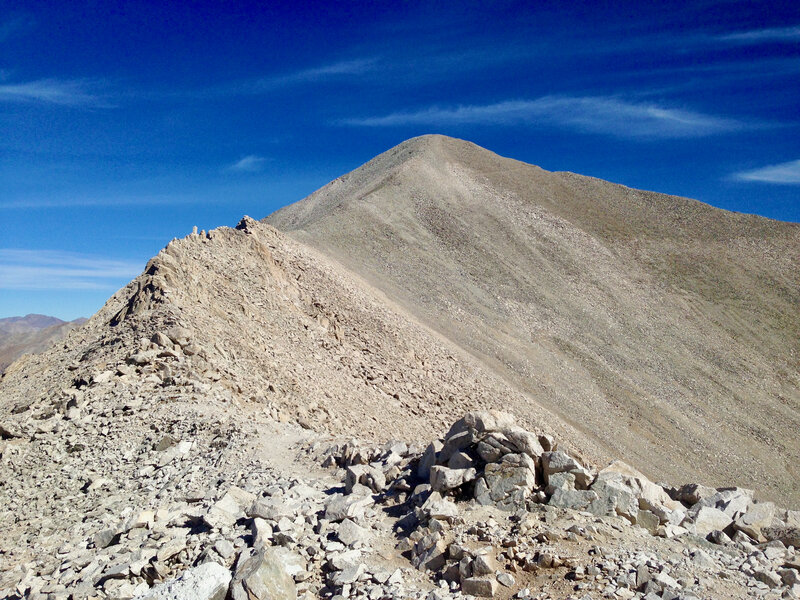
column 248, row 164
column 332, row 71
column 758, row 36
column 75, row 92
column 787, row 173
column 89, row 200
column 57, row 270
column 589, row 114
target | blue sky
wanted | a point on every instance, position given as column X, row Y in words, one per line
column 122, row 125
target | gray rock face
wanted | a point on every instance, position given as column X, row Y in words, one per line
column 758, row 517
column 573, row 499
column 710, row 519
column 557, row 462
column 483, row 587
column 444, row 478
column 351, row 506
column 207, row 582
column 263, row 576
column 508, row 483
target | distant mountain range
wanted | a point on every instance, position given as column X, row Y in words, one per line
column 28, row 334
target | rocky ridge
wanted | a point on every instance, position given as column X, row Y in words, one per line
column 248, row 419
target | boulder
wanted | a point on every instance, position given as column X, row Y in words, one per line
column 573, row 499
column 208, row 581
column 759, row 516
column 352, row 506
column 557, row 462
column 524, row 442
column 483, row 587
column 443, row 478
column 508, row 483
column 428, row 460
column 710, row 519
column 263, row 576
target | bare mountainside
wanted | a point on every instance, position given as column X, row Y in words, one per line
column 31, row 333
column 248, row 419
column 664, row 329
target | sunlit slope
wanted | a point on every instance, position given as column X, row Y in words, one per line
column 664, row 328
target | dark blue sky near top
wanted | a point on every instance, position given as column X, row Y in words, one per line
column 122, row 125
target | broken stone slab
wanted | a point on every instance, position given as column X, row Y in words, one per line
column 524, row 441
column 709, row 519
column 759, row 516
column 367, row 475
column 208, row 581
column 230, row 508
column 483, row 587
column 581, row 500
column 444, row 478
column 352, row 506
column 351, row 534
column 508, row 483
column 263, row 576
column 437, row 507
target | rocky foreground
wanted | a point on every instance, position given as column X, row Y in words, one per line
column 489, row 510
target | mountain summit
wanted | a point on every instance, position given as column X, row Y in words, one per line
column 413, row 391
column 660, row 327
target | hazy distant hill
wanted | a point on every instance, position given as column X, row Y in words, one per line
column 31, row 333
column 661, row 327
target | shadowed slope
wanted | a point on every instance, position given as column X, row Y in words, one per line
column 664, row 328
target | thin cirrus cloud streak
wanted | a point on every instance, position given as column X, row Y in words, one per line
column 587, row 114
column 757, row 36
column 51, row 91
column 248, row 164
column 787, row 173
column 57, row 270
column 332, row 71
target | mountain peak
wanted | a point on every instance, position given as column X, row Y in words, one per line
column 579, row 291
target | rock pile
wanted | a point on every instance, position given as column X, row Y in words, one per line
column 488, row 460
column 490, row 510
